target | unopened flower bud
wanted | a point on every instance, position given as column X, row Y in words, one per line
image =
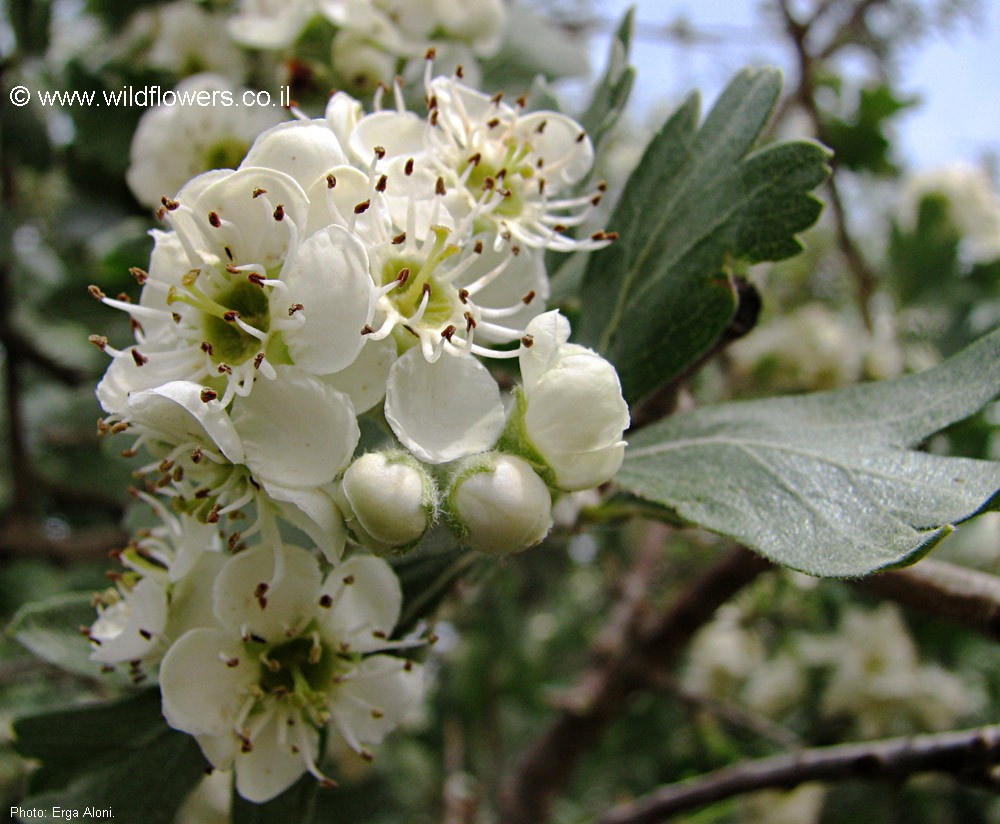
column 499, row 505
column 561, row 379
column 388, row 500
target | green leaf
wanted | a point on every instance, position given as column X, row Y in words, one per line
column 659, row 297
column 859, row 142
column 51, row 630
column 119, row 756
column 827, row 483
column 612, row 92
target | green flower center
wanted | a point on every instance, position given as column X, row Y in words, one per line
column 225, row 154
column 302, row 664
column 230, row 344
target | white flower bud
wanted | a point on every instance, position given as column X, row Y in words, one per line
column 388, row 500
column 499, row 505
column 560, row 380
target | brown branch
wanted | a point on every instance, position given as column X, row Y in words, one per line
column 20, row 541
column 942, row 590
column 547, row 766
column 968, row 755
column 864, row 276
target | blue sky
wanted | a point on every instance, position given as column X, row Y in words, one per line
column 957, row 75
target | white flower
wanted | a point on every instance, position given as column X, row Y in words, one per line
column 498, row 504
column 174, row 143
column 570, row 408
column 186, row 40
column 511, row 170
column 388, row 500
column 877, row 678
column 278, row 448
column 290, row 656
column 129, row 626
column 236, row 289
column 973, row 206
column 438, row 283
column 167, row 568
column 444, row 410
column 812, row 347
column 271, row 24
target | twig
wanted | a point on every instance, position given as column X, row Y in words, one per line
column 968, row 755
column 732, row 715
column 943, row 590
column 16, row 541
column 798, row 32
column 548, row 764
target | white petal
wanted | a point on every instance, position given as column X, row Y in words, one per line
column 202, row 694
column 131, row 629
column 271, row 767
column 366, row 598
column 401, row 134
column 549, row 331
column 314, row 512
column 124, row 375
column 581, row 380
column 176, row 412
column 585, row 470
column 365, row 379
column 302, row 149
column 256, row 236
column 191, row 603
column 219, row 750
column 296, row 431
column 328, row 275
column 383, row 695
column 335, row 205
column 342, row 114
column 196, row 539
column 248, row 598
column 558, row 144
column 442, row 411
column 524, row 274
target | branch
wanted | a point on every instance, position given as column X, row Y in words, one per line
column 547, row 766
column 968, row 755
column 864, row 276
column 18, row 540
column 943, row 590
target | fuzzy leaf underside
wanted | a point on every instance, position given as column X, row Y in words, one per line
column 662, row 294
column 827, row 483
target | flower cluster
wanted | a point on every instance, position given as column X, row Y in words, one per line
column 373, row 38
column 353, row 264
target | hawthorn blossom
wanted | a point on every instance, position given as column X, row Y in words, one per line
column 289, row 657
column 279, row 456
column 559, row 380
column 173, row 144
column 166, row 570
column 229, row 291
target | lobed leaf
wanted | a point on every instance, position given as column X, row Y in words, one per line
column 827, row 483
column 658, row 298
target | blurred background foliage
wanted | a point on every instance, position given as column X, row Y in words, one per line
column 772, row 671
